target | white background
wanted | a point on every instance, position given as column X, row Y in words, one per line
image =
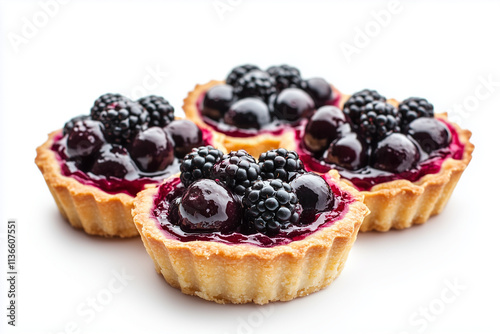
column 442, row 51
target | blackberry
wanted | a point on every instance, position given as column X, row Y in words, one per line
column 255, row 84
column 285, row 76
column 123, row 120
column 280, row 164
column 239, row 72
column 270, row 206
column 377, row 120
column 102, row 102
column 413, row 108
column 198, row 164
column 69, row 125
column 161, row 113
column 238, row 170
column 354, row 105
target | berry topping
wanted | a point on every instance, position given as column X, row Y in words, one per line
column 396, row 153
column 413, row 108
column 102, row 102
column 160, row 111
column 429, row 133
column 217, row 101
column 325, row 125
column 123, row 120
column 114, row 161
column 255, row 84
column 152, row 150
column 319, row 89
column 314, row 195
column 377, row 120
column 71, row 123
column 354, row 105
column 85, row 138
column 248, row 113
column 239, row 72
column 198, row 164
column 238, row 170
column 208, row 206
column 280, row 164
column 285, row 76
column 292, row 104
column 269, row 207
column 186, row 136
column 348, row 152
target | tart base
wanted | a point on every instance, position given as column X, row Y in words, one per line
column 244, row 273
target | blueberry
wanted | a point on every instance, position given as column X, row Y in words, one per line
column 325, row 125
column 396, row 153
column 320, row 90
column 186, row 136
column 114, row 161
column 85, row 138
column 314, row 194
column 217, row 101
column 208, row 206
column 350, row 152
column 429, row 133
column 292, row 104
column 248, row 113
column 152, row 150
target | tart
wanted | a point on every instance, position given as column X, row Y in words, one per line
column 258, row 110
column 97, row 163
column 238, row 233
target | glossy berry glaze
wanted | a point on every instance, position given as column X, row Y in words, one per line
column 173, row 188
column 367, row 177
column 130, row 185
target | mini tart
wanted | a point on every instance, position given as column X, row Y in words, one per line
column 243, row 273
column 254, row 145
column 86, row 206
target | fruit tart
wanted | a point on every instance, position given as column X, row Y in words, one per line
column 231, row 229
column 258, row 110
column 404, row 158
column 97, row 163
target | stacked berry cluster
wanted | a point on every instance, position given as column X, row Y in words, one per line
column 254, row 99
column 372, row 132
column 236, row 193
column 126, row 139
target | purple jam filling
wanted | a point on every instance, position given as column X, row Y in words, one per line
column 173, row 188
column 275, row 128
column 112, row 185
column 367, row 177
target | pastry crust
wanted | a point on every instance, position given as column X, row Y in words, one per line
column 244, row 273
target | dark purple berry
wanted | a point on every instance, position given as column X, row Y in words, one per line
column 255, row 84
column 152, row 150
column 199, row 163
column 325, row 125
column 270, row 206
column 350, row 152
column 377, row 120
column 71, row 123
column 238, row 170
column 248, row 113
column 85, row 138
column 429, row 133
column 314, row 195
column 102, row 102
column 114, row 161
column 217, row 101
column 319, row 89
column 280, row 164
column 208, row 206
column 293, row 104
column 285, row 76
column 396, row 153
column 160, row 111
column 238, row 72
column 354, row 105
column 186, row 136
column 413, row 108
